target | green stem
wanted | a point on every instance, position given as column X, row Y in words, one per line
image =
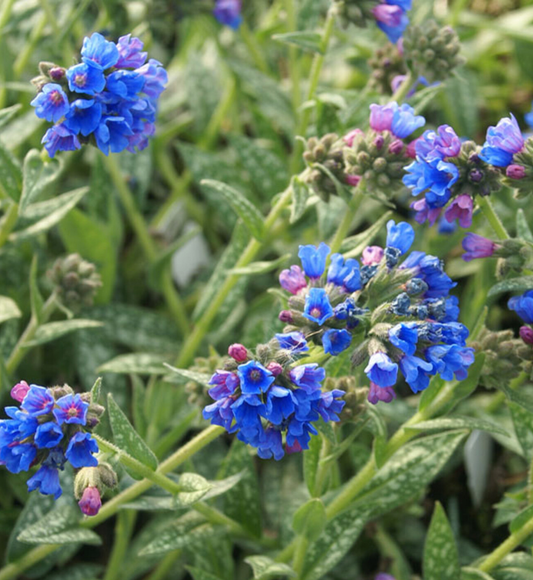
column 294, row 62
column 138, row 224
column 255, row 51
column 344, row 226
column 29, row 559
column 123, row 531
column 201, row 328
column 512, row 542
column 8, row 223
column 314, row 77
column 218, row 116
column 5, row 14
column 175, row 434
column 20, row 348
column 488, row 210
column 25, row 55
column 323, row 468
column 302, row 543
column 165, row 566
column 401, row 92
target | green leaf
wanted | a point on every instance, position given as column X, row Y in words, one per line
column 60, row 526
column 473, row 574
column 300, row 195
column 264, row 567
column 54, row 330
column 126, row 438
column 261, row 267
column 37, row 176
column 311, row 458
column 524, row 517
column 222, row 486
column 60, row 206
column 304, row 39
column 10, row 174
column 36, row 299
column 523, row 426
column 136, row 363
column 520, row 284
column 77, row 572
column 441, row 561
column 8, row 309
column 198, row 574
column 194, row 488
column 186, row 531
column 182, row 376
column 517, row 566
column 96, row 390
column 523, row 399
column 245, row 209
column 522, row 227
column 7, row 114
column 310, row 519
column 447, row 423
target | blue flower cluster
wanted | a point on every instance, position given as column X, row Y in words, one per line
column 502, row 143
column 401, row 313
column 47, row 430
column 109, row 99
column 391, row 17
column 272, row 406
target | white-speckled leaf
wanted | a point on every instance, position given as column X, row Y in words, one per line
column 448, row 423
column 523, row 426
column 473, row 574
column 37, row 176
column 441, row 561
column 194, row 488
column 127, row 438
column 54, row 330
column 264, row 567
column 8, row 309
column 141, row 363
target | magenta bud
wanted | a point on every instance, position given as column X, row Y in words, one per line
column 18, row 392
column 526, row 334
column 275, row 368
column 378, row 141
column 515, row 171
column 238, row 352
column 372, row 255
column 349, row 138
column 396, row 147
column 377, row 393
column 90, row 502
column 293, row 279
column 285, row 316
column 57, row 73
column 410, row 150
column 476, row 175
column 353, row 180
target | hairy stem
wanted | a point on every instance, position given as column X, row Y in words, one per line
column 492, row 217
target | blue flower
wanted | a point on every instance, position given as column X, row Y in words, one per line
column 225, row 384
column 405, row 122
column 60, row 138
column 221, row 413
column 129, row 50
column 452, row 309
column 46, row 480
column 38, row 401
column 329, row 405
column 98, row 51
column 270, row 444
column 299, row 434
column 51, row 103
column 317, row 306
column 435, row 178
column 336, row 341
column 155, row 78
column 345, row 275
column 85, row 78
column 415, row 370
column 112, row 133
column 450, row 360
column 314, row 259
column 71, row 409
column 247, row 410
column 228, row 12
column 381, row 370
column 523, row 306
column 48, row 435
column 308, row 377
column 280, row 404
column 84, row 116
column 18, row 456
column 293, row 341
column 502, row 142
column 254, row 377
column 404, row 336
column 124, row 84
column 400, row 236
column 80, row 449
column 391, row 19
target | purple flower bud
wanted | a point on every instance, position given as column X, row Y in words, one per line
column 526, row 334
column 57, row 73
column 381, row 116
column 476, row 175
column 377, row 393
column 238, row 352
column 285, row 316
column 18, row 392
column 275, row 368
column 460, row 209
column 349, row 138
column 515, row 171
column 293, row 280
column 388, row 14
column 353, row 180
column 423, row 212
column 411, row 149
column 378, row 142
column 396, row 147
column 372, row 255
column 477, row 246
column 90, row 502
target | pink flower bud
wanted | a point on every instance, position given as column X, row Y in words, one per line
column 18, row 392
column 57, row 73
column 372, row 255
column 515, row 171
column 396, row 147
column 526, row 334
column 275, row 368
column 349, row 138
column 411, row 149
column 285, row 316
column 238, row 352
column 90, row 502
column 353, row 180
column 378, row 141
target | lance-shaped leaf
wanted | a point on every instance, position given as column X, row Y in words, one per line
column 523, row 426
column 10, row 174
column 8, row 309
column 441, row 561
column 7, row 114
column 515, row 285
column 244, row 208
column 136, row 363
column 261, row 267
column 126, row 438
column 182, row 376
column 522, row 227
column 54, row 330
column 310, row 519
column 448, row 423
column 194, row 487
column 264, row 567
column 37, row 176
column 305, row 39
column 300, row 195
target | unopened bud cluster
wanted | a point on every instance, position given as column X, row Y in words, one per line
column 325, row 159
column 90, row 484
column 386, row 64
column 75, row 280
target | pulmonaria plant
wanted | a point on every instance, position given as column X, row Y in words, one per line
column 449, row 174
column 51, row 427
column 109, row 99
column 396, row 315
column 270, row 402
